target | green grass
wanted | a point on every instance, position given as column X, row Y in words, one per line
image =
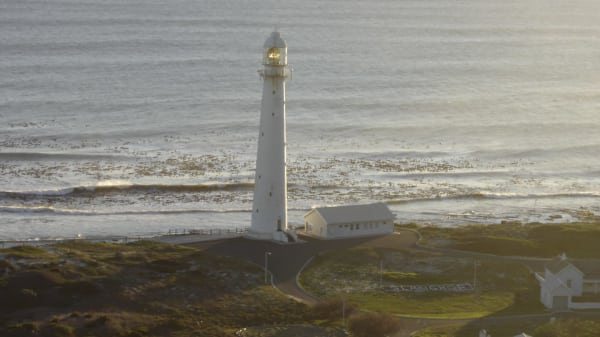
column 28, row 252
column 435, row 305
column 412, row 278
column 506, row 328
column 443, row 331
column 504, row 287
column 134, row 252
column 540, row 327
column 509, row 239
column 138, row 289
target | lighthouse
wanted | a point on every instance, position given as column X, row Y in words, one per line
column 269, row 206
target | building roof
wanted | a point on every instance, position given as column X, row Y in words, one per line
column 354, row 213
column 275, row 41
column 557, row 264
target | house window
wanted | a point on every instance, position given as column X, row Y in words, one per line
column 569, row 283
column 357, row 226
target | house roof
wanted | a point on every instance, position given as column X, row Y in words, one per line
column 354, row 213
column 557, row 264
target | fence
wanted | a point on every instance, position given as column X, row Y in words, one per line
column 205, row 232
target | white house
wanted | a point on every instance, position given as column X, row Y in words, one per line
column 349, row 221
column 563, row 284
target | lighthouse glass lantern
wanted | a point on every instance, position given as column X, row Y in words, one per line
column 274, row 56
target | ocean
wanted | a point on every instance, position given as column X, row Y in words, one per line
column 130, row 117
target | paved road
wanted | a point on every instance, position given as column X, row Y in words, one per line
column 286, row 260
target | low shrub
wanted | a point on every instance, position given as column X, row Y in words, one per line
column 6, row 267
column 331, row 309
column 373, row 324
column 61, row 330
column 568, row 328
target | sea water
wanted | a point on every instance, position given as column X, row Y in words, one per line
column 129, row 117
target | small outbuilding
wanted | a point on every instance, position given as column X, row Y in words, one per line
column 349, row 221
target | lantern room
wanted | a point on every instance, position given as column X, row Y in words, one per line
column 275, row 51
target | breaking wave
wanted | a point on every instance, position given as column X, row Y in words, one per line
column 127, row 188
column 78, row 212
column 494, row 196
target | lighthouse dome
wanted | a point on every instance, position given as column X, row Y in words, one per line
column 275, row 41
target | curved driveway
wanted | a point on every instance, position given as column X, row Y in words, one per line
column 286, row 260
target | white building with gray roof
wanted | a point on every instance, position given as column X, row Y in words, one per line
column 349, row 221
column 564, row 286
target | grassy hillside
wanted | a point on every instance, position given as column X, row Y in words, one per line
column 503, row 287
column 138, row 289
column 540, row 240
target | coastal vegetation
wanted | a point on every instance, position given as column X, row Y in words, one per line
column 578, row 240
column 568, row 327
column 79, row 288
column 143, row 288
column 423, row 284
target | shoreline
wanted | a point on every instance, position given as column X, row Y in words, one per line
column 176, row 237
column 183, row 236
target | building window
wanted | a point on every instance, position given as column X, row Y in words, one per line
column 357, row 226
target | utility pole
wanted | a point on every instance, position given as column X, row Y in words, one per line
column 380, row 273
column 344, row 312
column 474, row 274
column 266, row 265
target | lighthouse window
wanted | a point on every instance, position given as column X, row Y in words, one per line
column 273, row 92
column 257, row 210
column 273, row 54
column 272, row 114
column 262, row 133
column 270, row 194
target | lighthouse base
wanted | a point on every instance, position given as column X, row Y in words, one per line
column 278, row 236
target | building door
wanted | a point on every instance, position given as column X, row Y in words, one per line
column 560, row 302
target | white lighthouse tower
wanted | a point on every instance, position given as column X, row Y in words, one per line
column 269, row 208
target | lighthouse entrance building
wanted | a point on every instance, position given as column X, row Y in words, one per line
column 349, row 221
